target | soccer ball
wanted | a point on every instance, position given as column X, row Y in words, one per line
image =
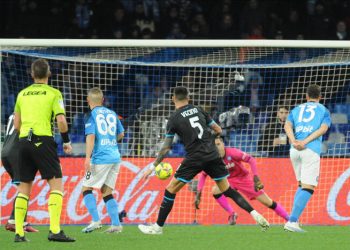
column 164, row 170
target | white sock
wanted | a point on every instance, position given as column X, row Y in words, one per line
column 254, row 214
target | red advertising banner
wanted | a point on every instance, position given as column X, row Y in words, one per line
column 328, row 206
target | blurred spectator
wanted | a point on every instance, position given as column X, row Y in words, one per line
column 319, row 19
column 226, row 28
column 176, row 32
column 274, row 140
column 252, row 18
column 293, row 26
column 141, row 20
column 225, row 19
column 120, row 23
column 341, row 32
column 82, row 18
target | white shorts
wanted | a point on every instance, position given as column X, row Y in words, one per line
column 306, row 164
column 104, row 174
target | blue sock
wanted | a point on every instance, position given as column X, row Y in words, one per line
column 296, row 194
column 112, row 209
column 300, row 203
column 90, row 203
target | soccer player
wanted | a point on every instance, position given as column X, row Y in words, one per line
column 241, row 180
column 103, row 130
column 193, row 126
column 304, row 127
column 9, row 159
column 36, row 108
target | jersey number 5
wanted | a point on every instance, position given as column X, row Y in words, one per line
column 195, row 124
column 106, row 124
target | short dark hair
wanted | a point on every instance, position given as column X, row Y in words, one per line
column 283, row 107
column 180, row 93
column 313, row 91
column 40, row 69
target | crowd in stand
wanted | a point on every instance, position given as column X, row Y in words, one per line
column 176, row 19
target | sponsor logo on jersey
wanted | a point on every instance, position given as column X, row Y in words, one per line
column 40, row 92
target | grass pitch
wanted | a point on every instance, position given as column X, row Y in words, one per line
column 189, row 237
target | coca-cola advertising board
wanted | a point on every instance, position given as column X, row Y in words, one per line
column 330, row 203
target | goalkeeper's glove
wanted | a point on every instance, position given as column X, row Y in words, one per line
column 198, row 199
column 258, row 185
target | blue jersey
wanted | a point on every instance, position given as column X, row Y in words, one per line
column 306, row 119
column 106, row 126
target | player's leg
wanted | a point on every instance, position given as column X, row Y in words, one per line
column 310, row 167
column 44, row 156
column 173, row 187
column 21, row 207
column 27, row 172
column 223, row 202
column 217, row 171
column 184, row 174
column 276, row 207
column 91, row 180
column 110, row 202
column 309, row 180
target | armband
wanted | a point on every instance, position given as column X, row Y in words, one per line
column 65, row 137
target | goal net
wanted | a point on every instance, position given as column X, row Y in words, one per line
column 248, row 87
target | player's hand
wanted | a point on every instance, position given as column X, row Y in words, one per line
column 146, row 174
column 298, row 145
column 198, row 199
column 67, row 148
column 87, row 165
column 257, row 183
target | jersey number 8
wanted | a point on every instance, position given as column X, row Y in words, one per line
column 106, row 124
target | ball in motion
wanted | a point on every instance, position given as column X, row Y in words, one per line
column 164, row 170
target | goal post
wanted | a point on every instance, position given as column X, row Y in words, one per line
column 246, row 85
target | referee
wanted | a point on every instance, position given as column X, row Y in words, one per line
column 36, row 108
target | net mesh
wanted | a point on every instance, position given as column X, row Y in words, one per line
column 137, row 84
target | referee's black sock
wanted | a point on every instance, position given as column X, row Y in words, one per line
column 165, row 207
column 238, row 198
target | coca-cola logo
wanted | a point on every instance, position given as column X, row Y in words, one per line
column 140, row 202
column 337, row 188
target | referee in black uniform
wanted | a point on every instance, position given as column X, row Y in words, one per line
column 193, row 126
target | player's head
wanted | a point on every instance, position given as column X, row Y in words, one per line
column 282, row 113
column 220, row 146
column 180, row 95
column 95, row 97
column 313, row 92
column 40, row 70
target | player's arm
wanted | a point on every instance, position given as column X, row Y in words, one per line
column 161, row 154
column 63, row 128
column 326, row 123
column 243, row 156
column 17, row 121
column 90, row 143
column 120, row 130
column 216, row 128
column 288, row 127
column 59, row 112
column 319, row 132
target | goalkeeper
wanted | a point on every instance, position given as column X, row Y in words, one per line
column 241, row 180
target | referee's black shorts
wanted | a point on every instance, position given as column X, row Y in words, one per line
column 38, row 154
column 189, row 168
